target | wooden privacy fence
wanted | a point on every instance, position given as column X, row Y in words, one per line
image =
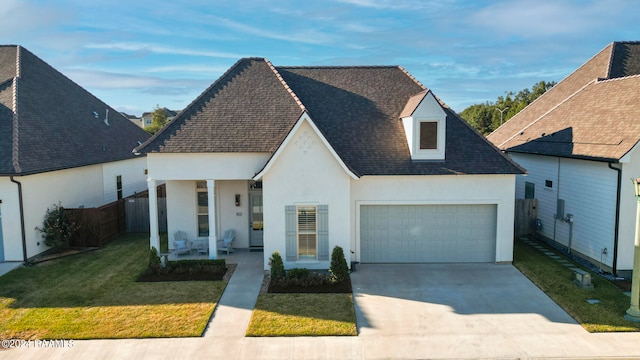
column 137, row 210
column 98, row 226
column 525, row 216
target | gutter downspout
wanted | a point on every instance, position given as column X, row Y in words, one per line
column 614, row 267
column 24, row 236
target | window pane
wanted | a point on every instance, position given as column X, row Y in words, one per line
column 203, row 225
column 201, row 184
column 307, row 246
column 529, row 190
column 307, row 219
column 428, row 135
column 307, row 232
column 203, row 201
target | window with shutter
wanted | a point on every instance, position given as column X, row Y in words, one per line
column 307, row 234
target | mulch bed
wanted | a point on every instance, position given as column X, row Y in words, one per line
column 201, row 276
column 625, row 285
column 339, row 288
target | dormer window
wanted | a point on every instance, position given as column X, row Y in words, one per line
column 428, row 135
column 424, row 123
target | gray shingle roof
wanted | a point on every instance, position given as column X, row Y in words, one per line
column 51, row 125
column 591, row 114
column 357, row 108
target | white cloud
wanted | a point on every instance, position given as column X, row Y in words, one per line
column 305, row 35
column 392, row 4
column 204, row 69
column 160, row 49
column 534, row 18
column 110, row 80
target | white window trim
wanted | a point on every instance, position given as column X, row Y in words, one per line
column 429, row 154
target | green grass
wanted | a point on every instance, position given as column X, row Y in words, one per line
column 94, row 295
column 303, row 315
column 557, row 282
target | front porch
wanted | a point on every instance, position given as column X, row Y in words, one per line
column 206, row 218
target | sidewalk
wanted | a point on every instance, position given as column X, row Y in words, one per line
column 224, row 338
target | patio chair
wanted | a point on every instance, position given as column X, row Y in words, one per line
column 226, row 243
column 181, row 244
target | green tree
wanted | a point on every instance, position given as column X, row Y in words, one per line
column 485, row 117
column 339, row 269
column 277, row 267
column 57, row 228
column 158, row 120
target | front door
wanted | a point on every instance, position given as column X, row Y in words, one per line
column 255, row 217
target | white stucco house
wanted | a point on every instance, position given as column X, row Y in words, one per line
column 302, row 159
column 579, row 144
column 58, row 143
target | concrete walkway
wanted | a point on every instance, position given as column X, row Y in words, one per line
column 405, row 319
column 7, row 266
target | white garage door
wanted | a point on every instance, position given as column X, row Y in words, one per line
column 427, row 233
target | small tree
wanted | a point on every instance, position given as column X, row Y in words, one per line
column 277, row 267
column 154, row 259
column 158, row 120
column 58, row 228
column 339, row 269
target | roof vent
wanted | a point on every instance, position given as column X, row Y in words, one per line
column 95, row 114
column 106, row 117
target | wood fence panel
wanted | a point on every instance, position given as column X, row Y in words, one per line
column 98, row 226
column 137, row 214
column 525, row 216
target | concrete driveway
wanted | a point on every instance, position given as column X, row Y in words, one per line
column 458, row 307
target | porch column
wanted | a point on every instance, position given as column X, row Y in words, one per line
column 213, row 243
column 154, row 240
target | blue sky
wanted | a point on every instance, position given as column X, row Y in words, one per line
column 137, row 54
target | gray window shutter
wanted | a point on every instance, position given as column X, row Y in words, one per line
column 323, row 232
column 290, row 233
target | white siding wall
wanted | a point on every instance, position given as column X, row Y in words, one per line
column 463, row 189
column 134, row 179
column 589, row 191
column 11, row 233
column 181, row 209
column 219, row 166
column 77, row 187
column 628, row 204
column 73, row 188
column 231, row 216
column 305, row 173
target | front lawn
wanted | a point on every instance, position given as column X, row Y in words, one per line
column 557, row 282
column 303, row 315
column 95, row 295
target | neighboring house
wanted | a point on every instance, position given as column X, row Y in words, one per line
column 58, row 143
column 134, row 119
column 302, row 159
column 578, row 142
column 147, row 117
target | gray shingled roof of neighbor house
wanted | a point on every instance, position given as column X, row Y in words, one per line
column 592, row 114
column 47, row 121
column 254, row 105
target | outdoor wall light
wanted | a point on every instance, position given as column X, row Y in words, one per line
column 237, row 199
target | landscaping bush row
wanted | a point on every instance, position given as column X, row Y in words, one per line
column 301, row 280
column 183, row 270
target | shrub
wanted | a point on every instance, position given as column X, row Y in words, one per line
column 339, row 269
column 298, row 273
column 277, row 267
column 154, row 259
column 57, row 228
